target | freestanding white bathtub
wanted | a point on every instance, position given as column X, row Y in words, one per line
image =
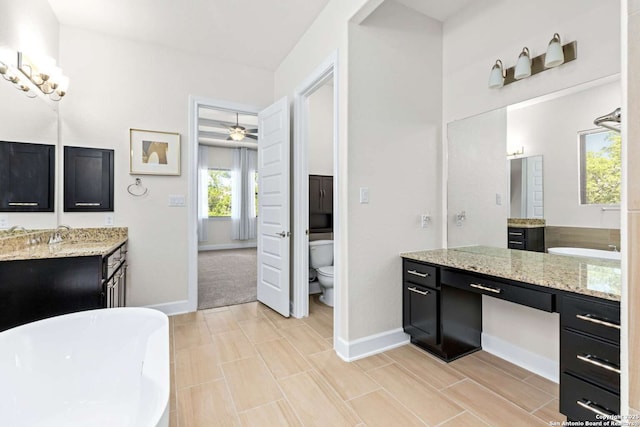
column 97, row 368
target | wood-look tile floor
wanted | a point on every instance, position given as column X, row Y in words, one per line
column 246, row 365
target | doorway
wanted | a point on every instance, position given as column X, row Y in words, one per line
column 223, row 268
column 321, row 84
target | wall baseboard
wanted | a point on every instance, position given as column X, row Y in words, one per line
column 171, row 308
column 547, row 368
column 370, row 345
column 227, row 246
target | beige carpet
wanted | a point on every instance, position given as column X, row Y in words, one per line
column 226, row 277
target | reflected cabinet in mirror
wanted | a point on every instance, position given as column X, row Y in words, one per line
column 547, row 180
column 28, row 121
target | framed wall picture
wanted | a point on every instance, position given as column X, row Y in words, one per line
column 154, row 153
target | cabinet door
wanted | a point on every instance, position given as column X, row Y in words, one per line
column 421, row 313
column 88, row 180
column 27, row 177
column 327, row 194
column 315, row 199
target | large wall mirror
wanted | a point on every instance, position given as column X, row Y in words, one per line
column 487, row 184
column 24, row 119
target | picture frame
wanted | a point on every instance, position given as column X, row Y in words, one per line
column 154, row 152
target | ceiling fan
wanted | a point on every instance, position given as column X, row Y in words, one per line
column 238, row 133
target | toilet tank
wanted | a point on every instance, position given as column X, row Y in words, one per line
column 320, row 253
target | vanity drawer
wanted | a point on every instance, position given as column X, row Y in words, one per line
column 596, row 318
column 591, row 359
column 516, row 235
column 506, row 291
column 420, row 274
column 581, row 401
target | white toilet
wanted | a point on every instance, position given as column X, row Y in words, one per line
column 321, row 260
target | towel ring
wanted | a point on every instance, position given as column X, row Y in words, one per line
column 137, row 184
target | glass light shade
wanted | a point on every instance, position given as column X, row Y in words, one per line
column 496, row 76
column 555, row 54
column 237, row 134
column 63, row 85
column 45, row 65
column 523, row 66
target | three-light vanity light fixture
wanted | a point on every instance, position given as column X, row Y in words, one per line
column 31, row 75
column 556, row 55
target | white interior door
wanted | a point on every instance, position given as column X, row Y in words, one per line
column 273, row 206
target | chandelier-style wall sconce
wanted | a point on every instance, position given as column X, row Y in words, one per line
column 556, row 55
column 33, row 75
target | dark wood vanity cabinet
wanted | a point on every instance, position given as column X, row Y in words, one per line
column 320, row 204
column 27, row 177
column 445, row 321
column 36, row 289
column 526, row 239
column 88, row 179
column 589, row 358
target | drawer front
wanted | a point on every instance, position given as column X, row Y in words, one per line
column 516, row 244
column 597, row 318
column 529, row 297
column 115, row 260
column 591, row 359
column 419, row 274
column 421, row 313
column 581, row 401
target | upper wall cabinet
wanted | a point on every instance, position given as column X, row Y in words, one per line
column 27, row 177
column 88, row 179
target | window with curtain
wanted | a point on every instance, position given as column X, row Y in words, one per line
column 244, row 194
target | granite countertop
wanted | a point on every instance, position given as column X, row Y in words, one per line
column 75, row 243
column 588, row 276
column 525, row 222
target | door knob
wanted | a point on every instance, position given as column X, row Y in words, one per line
column 283, row 234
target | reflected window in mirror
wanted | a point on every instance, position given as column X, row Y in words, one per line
column 600, row 167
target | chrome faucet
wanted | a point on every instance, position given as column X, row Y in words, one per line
column 16, row 228
column 63, row 227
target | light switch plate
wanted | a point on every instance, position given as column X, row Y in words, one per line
column 498, row 199
column 364, row 195
column 177, row 200
column 4, row 221
column 108, row 219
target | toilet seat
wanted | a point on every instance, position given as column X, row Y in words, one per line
column 326, row 271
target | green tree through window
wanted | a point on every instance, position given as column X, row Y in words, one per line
column 219, row 192
column 601, row 164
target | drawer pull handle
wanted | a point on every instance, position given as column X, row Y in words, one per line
column 23, row 204
column 414, row 289
column 516, row 242
column 592, row 319
column 600, row 364
column 415, row 273
column 87, row 204
column 511, row 233
column 590, row 406
column 485, row 288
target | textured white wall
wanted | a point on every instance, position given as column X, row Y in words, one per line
column 117, row 84
column 395, row 66
column 550, row 128
column 31, row 27
column 321, row 131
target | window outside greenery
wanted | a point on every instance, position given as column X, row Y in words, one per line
column 219, row 192
column 600, row 168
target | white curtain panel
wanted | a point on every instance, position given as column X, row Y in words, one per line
column 203, row 197
column 243, row 209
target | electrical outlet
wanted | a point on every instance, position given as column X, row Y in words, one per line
column 4, row 221
column 425, row 219
column 177, row 200
column 108, row 219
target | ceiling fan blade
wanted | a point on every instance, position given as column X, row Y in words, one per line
column 251, row 136
column 229, row 139
column 252, row 130
column 212, row 135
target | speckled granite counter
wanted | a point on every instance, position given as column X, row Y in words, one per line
column 525, row 222
column 587, row 276
column 75, row 242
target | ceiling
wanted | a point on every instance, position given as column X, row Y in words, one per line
column 437, row 9
column 213, row 125
column 258, row 33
